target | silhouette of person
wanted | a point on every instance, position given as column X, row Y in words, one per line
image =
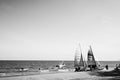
column 106, row 67
column 76, row 69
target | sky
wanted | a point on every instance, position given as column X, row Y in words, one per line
column 53, row 29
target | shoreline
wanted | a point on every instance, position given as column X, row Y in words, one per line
column 39, row 72
column 57, row 75
column 62, row 75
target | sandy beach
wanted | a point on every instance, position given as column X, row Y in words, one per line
column 69, row 75
column 54, row 76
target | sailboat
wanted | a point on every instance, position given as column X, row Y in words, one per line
column 82, row 64
column 91, row 62
column 79, row 63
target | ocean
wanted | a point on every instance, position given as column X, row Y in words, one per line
column 8, row 66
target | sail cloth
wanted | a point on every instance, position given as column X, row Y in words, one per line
column 91, row 60
column 76, row 59
column 81, row 61
column 83, row 64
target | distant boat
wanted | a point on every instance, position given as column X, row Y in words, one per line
column 91, row 62
column 23, row 69
column 58, row 67
column 61, row 65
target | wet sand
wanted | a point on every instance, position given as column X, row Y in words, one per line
column 69, row 75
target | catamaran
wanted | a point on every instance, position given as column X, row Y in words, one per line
column 91, row 62
column 81, row 65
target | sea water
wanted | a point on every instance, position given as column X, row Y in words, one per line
column 8, row 66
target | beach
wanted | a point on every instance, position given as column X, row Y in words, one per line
column 54, row 76
column 31, row 71
column 66, row 75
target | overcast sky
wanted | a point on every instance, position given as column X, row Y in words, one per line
column 52, row 29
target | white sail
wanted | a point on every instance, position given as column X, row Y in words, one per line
column 91, row 60
column 76, row 59
column 79, row 63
